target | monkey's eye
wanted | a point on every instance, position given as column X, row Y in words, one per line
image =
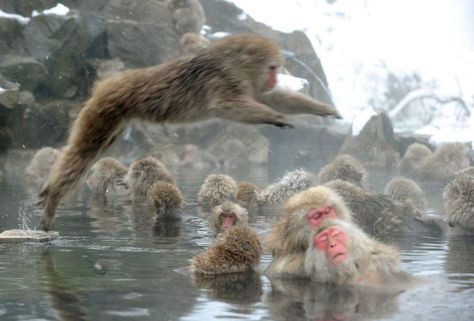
column 322, row 238
column 273, row 68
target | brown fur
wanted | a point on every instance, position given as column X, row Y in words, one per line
column 344, row 167
column 459, row 203
column 143, row 173
column 216, row 189
column 290, row 184
column 238, row 249
column 106, row 173
column 241, row 215
column 288, row 238
column 370, row 262
column 38, row 169
column 413, row 157
column 247, row 196
column 165, row 199
column 381, row 216
column 445, row 161
column 406, row 190
column 226, row 80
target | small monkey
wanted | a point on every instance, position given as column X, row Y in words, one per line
column 143, row 173
column 303, row 213
column 414, row 155
column 444, row 162
column 187, row 15
column 290, row 184
column 339, row 252
column 165, row 199
column 458, row 198
column 216, row 189
column 40, row 165
column 247, row 195
column 406, row 190
column 192, row 42
column 344, row 167
column 238, row 249
column 234, row 78
column 226, row 215
column 106, row 175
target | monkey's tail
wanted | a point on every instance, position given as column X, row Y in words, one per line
column 92, row 132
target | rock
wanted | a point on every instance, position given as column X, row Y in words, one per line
column 9, row 93
column 26, row 71
column 141, row 44
column 11, row 38
column 14, row 236
column 376, row 144
column 62, row 44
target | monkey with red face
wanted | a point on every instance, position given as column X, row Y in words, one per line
column 339, row 252
column 234, row 78
column 226, row 215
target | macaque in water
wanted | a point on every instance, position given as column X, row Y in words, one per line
column 38, row 169
column 344, row 167
column 290, row 184
column 192, row 43
column 247, row 196
column 226, row 215
column 234, row 78
column 339, row 252
column 191, row 156
column 458, row 198
column 381, row 216
column 143, row 173
column 216, row 189
column 413, row 157
column 106, row 176
column 445, row 161
column 303, row 213
column 238, row 249
column 165, row 199
column 406, row 190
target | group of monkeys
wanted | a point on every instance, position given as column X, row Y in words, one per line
column 323, row 231
column 331, row 226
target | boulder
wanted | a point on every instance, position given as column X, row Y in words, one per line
column 26, row 71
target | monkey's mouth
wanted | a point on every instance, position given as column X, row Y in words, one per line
column 339, row 257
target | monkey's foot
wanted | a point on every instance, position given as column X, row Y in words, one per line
column 46, row 223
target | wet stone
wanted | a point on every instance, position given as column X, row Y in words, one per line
column 17, row 235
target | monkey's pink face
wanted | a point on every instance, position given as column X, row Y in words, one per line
column 272, row 77
column 316, row 215
column 228, row 220
column 333, row 242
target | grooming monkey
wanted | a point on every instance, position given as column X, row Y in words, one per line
column 303, row 213
column 234, row 78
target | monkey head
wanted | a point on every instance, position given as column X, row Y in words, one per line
column 228, row 214
column 333, row 242
column 313, row 206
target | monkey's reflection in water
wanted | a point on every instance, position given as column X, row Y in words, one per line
column 302, row 300
column 68, row 304
column 233, row 288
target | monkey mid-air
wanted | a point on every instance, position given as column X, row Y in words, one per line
column 234, row 79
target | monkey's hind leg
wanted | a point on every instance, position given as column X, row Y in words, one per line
column 92, row 132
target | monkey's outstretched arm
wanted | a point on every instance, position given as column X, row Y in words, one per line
column 291, row 102
column 250, row 112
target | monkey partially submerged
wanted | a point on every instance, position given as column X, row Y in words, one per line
column 234, row 78
column 226, row 215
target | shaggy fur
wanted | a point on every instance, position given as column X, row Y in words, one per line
column 165, row 199
column 105, row 174
column 406, row 190
column 241, row 215
column 413, row 157
column 216, row 189
column 247, row 196
column 459, row 202
column 293, row 182
column 344, row 167
column 38, row 169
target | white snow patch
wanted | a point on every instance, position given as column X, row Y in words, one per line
column 361, row 119
column 17, row 17
column 58, row 10
column 290, row 82
column 2, row 90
